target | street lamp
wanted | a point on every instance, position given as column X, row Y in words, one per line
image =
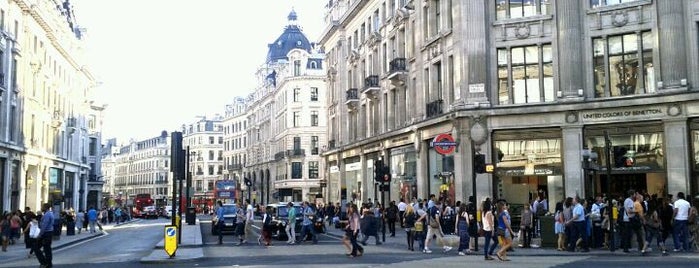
column 590, row 166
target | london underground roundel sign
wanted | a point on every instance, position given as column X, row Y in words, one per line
column 444, row 144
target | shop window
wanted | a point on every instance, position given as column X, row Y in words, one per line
column 525, row 74
column 623, row 65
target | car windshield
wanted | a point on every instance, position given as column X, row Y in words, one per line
column 284, row 211
column 229, row 209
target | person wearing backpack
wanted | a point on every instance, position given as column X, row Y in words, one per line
column 307, row 225
column 434, row 228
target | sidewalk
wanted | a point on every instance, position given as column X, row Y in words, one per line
column 190, row 247
column 400, row 241
column 19, row 251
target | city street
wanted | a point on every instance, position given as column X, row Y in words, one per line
column 125, row 245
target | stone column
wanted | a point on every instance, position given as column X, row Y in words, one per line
column 462, row 162
column 475, row 50
column 423, row 178
column 572, row 157
column 678, row 169
column 672, row 42
column 569, row 46
column 366, row 182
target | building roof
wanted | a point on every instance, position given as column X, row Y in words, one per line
column 291, row 38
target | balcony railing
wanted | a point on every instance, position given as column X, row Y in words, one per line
column 371, row 84
column 434, row 108
column 279, row 156
column 352, row 95
column 397, row 65
column 235, row 167
column 331, row 144
column 296, row 153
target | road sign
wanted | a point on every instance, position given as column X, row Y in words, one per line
column 444, row 144
column 170, row 240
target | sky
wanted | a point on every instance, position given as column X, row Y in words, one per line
column 163, row 63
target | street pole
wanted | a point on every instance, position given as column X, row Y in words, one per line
column 383, row 204
column 473, row 184
column 608, row 152
column 179, row 199
column 189, row 177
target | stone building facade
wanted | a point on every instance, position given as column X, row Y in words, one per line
column 204, row 139
column 50, row 126
column 533, row 86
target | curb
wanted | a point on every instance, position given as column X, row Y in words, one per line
column 78, row 241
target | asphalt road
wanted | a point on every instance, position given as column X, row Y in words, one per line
column 125, row 245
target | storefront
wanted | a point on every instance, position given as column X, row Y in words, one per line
column 694, row 139
column 637, row 159
column 55, row 186
column 441, row 175
column 403, row 166
column 351, row 181
column 528, row 163
column 333, row 189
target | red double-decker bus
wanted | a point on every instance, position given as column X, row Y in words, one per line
column 141, row 201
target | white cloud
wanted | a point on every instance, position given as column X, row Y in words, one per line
column 163, row 62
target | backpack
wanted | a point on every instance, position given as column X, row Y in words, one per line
column 540, row 209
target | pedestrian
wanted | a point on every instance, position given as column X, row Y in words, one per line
column 249, row 220
column 504, row 231
column 559, row 226
column 391, row 215
column 220, row 221
column 43, row 250
column 352, row 231
column 488, row 230
column 307, row 225
column 92, row 218
column 291, row 224
column 32, row 232
column 409, row 219
column 680, row 234
column 525, row 227
column 240, row 222
column 434, row 228
column 266, row 227
column 461, row 225
column 402, row 206
column 79, row 218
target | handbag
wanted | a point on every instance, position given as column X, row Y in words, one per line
column 419, row 226
column 34, row 230
column 434, row 223
column 500, row 232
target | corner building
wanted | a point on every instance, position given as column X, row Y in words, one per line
column 533, row 86
column 285, row 125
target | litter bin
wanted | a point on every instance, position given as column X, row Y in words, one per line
column 70, row 228
column 548, row 236
column 191, row 216
column 57, row 228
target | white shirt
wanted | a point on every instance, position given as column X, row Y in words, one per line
column 402, row 206
column 682, row 207
column 249, row 214
column 534, row 206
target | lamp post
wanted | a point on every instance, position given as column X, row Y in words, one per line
column 608, row 156
column 590, row 165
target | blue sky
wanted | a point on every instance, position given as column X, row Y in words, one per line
column 161, row 63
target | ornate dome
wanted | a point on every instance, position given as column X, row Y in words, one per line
column 291, row 38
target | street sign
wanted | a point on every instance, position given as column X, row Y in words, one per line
column 444, row 144
column 170, row 240
column 489, row 168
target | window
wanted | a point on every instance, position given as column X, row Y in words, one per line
column 314, row 145
column 211, row 140
column 525, row 75
column 314, row 94
column 297, row 119
column 601, row 3
column 211, row 155
column 314, row 118
column 313, row 169
column 211, row 170
column 297, row 94
column 623, row 65
column 296, row 170
column 437, row 18
column 507, row 9
column 297, row 67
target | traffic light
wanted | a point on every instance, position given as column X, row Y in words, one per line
column 479, row 163
column 378, row 170
column 386, row 174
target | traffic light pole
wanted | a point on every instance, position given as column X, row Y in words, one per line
column 473, row 184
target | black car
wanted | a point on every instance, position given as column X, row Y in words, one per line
column 229, row 219
column 280, row 215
